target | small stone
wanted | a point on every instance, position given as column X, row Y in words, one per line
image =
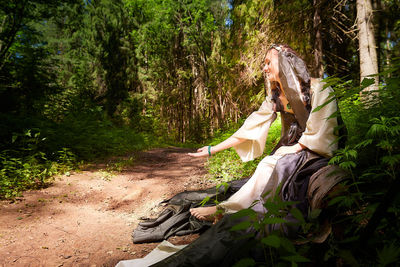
column 66, row 256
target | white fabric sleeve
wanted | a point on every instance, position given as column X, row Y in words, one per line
column 255, row 131
column 319, row 133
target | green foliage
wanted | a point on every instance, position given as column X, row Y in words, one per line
column 371, row 157
column 278, row 250
column 388, row 254
column 26, row 65
column 31, row 157
column 90, row 139
column 366, row 210
column 28, row 167
column 173, row 41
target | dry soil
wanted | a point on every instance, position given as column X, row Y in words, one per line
column 86, row 218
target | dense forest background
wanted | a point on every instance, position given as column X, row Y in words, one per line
column 81, row 80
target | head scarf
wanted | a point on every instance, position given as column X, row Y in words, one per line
column 295, row 80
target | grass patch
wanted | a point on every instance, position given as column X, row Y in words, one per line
column 34, row 150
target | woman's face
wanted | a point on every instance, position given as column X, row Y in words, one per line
column 271, row 67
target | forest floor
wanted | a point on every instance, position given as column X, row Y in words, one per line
column 87, row 218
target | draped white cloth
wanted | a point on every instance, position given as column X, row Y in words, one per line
column 318, row 136
column 162, row 251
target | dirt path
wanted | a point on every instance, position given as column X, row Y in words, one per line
column 86, row 219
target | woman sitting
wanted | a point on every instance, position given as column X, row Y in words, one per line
column 294, row 94
column 306, row 139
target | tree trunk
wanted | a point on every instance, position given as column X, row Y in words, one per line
column 388, row 47
column 190, row 112
column 378, row 22
column 318, row 68
column 367, row 46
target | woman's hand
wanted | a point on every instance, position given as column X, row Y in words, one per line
column 230, row 142
column 201, row 152
column 284, row 150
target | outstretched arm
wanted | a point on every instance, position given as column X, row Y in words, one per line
column 249, row 140
column 228, row 143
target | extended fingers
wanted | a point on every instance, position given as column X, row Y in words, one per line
column 201, row 149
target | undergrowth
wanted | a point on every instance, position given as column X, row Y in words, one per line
column 34, row 150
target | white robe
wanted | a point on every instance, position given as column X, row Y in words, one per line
column 318, row 137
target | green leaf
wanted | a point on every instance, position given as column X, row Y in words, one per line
column 395, row 130
column 315, row 213
column 272, row 241
column 273, row 220
column 367, row 82
column 224, row 184
column 335, row 159
column 352, row 153
column 297, row 214
column 347, row 165
column 348, row 257
column 28, row 133
column 385, row 145
column 336, row 200
column 364, row 143
column 391, row 160
column 204, row 201
column 323, row 105
column 245, row 213
column 376, row 129
column 388, row 254
column 241, row 226
column 287, row 245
